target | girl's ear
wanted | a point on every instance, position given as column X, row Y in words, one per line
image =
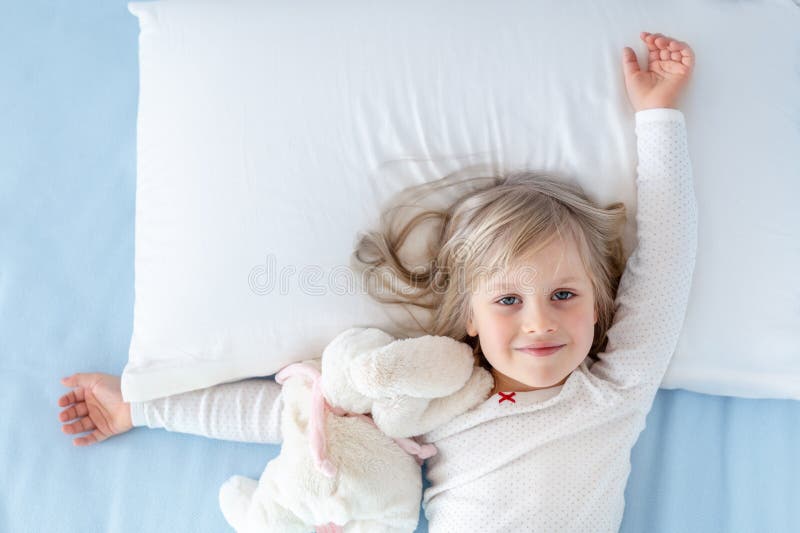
column 471, row 331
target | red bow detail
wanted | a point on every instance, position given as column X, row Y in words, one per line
column 509, row 397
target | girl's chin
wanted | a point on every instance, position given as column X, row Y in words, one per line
column 507, row 384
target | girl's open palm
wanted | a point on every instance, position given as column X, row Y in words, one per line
column 96, row 402
column 670, row 65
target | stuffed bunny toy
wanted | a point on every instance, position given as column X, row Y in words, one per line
column 339, row 469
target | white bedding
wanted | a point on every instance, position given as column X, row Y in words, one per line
column 269, row 134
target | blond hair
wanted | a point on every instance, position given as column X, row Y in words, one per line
column 491, row 222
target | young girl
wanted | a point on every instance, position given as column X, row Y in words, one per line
column 549, row 450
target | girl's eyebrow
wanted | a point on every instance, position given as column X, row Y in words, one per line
column 571, row 279
column 508, row 285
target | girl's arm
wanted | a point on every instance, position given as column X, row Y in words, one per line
column 245, row 411
column 654, row 290
column 248, row 410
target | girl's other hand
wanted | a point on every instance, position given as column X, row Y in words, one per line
column 96, row 403
column 670, row 64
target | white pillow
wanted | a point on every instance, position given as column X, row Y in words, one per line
column 264, row 127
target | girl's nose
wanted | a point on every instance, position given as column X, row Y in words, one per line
column 539, row 319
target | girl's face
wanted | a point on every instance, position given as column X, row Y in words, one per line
column 543, row 299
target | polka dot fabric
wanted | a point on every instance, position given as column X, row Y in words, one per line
column 245, row 411
column 558, row 459
column 554, row 459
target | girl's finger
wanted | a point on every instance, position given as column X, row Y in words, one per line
column 80, row 426
column 74, row 412
column 630, row 65
column 648, row 40
column 661, row 42
column 89, row 439
column 64, row 400
column 653, row 36
column 79, row 379
column 71, row 397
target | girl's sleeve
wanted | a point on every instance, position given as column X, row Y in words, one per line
column 654, row 289
column 246, row 411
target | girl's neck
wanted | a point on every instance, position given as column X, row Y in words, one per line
column 503, row 383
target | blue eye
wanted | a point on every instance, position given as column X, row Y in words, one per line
column 564, row 292
column 506, row 298
column 568, row 295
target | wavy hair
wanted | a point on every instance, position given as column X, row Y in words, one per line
column 489, row 223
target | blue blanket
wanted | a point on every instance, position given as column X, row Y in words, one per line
column 67, row 201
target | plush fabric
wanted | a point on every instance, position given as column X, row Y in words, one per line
column 340, row 468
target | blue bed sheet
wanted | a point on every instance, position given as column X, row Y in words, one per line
column 67, row 190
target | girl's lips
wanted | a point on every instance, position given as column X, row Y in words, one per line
column 541, row 352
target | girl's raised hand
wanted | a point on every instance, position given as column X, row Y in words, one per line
column 96, row 403
column 670, row 65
